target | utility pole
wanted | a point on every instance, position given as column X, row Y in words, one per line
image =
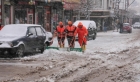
column 126, row 9
column 116, row 7
column 127, row 4
column 2, row 10
column 87, row 17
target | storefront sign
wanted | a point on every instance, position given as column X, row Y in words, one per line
column 7, row 3
column 23, row 3
column 99, row 13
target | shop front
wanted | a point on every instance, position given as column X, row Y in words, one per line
column 100, row 17
column 6, row 13
column 24, row 14
column 33, row 12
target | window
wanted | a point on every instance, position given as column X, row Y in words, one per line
column 90, row 26
column 100, row 3
column 97, row 3
column 32, row 30
column 6, row 14
column 39, row 31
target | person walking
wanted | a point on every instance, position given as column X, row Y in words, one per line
column 82, row 34
column 1, row 26
column 71, row 33
column 105, row 27
column 118, row 26
column 60, row 32
column 121, row 27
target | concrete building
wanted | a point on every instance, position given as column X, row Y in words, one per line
column 98, row 10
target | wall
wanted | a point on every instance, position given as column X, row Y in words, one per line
column 0, row 11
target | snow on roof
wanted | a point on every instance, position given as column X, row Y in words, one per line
column 23, row 25
column 15, row 29
column 125, row 23
column 86, row 23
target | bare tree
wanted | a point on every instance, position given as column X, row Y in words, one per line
column 84, row 8
column 132, row 13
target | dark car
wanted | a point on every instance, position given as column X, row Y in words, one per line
column 127, row 28
column 17, row 39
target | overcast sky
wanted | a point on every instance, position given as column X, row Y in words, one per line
column 138, row 1
column 134, row 3
column 135, row 6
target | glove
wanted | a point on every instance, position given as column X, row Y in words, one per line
column 85, row 36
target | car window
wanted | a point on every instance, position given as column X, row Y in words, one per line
column 39, row 31
column 32, row 30
column 90, row 26
column 137, row 23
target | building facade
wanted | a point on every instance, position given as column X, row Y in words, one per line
column 98, row 10
column 0, row 11
column 40, row 12
column 68, row 8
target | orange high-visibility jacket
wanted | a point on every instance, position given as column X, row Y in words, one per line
column 60, row 31
column 82, row 32
column 71, row 30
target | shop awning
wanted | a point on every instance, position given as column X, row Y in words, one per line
column 96, row 16
column 72, row 1
column 50, row 0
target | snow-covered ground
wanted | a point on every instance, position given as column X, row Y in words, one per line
column 112, row 57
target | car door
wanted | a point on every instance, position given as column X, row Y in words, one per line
column 31, row 39
column 40, row 37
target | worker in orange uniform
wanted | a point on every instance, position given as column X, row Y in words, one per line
column 60, row 32
column 71, row 32
column 82, row 34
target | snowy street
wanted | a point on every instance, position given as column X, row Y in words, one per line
column 111, row 57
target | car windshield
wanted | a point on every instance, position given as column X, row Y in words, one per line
column 13, row 30
column 137, row 23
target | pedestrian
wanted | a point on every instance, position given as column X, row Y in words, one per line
column 71, row 33
column 16, row 21
column 105, row 27
column 48, row 27
column 60, row 32
column 1, row 27
column 118, row 26
column 82, row 34
column 121, row 27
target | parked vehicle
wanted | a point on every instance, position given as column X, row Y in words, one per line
column 91, row 27
column 17, row 39
column 127, row 28
column 136, row 25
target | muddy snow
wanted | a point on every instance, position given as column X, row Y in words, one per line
column 112, row 57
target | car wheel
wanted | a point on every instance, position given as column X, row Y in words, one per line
column 44, row 47
column 20, row 51
column 130, row 31
column 94, row 36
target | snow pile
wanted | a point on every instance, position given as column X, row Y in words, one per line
column 105, row 43
column 113, row 42
column 51, row 54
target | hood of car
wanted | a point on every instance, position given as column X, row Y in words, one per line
column 9, row 38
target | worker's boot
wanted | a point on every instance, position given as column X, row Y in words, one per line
column 62, row 45
column 83, row 48
column 73, row 46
